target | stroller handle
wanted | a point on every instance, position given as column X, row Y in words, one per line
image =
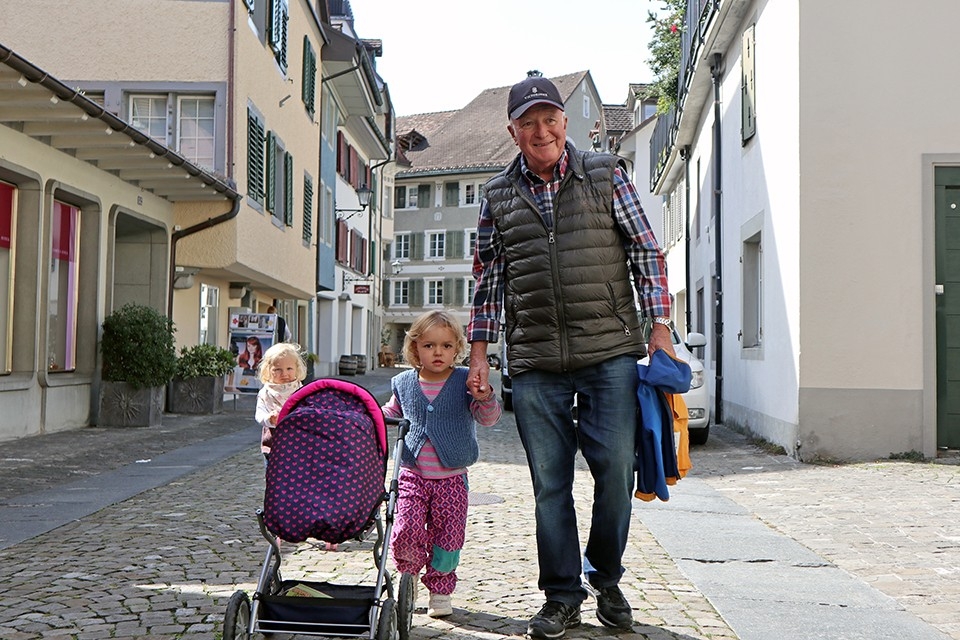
column 402, row 422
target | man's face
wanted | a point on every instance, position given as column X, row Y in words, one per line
column 540, row 133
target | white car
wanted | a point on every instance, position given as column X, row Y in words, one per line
column 697, row 398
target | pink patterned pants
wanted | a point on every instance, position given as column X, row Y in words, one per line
column 429, row 528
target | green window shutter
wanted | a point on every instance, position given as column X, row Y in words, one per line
column 307, row 208
column 254, row 157
column 748, row 90
column 308, row 82
column 423, row 196
column 278, row 32
column 451, row 194
column 416, row 292
column 271, row 173
column 288, row 189
column 458, row 292
column 449, row 291
column 416, row 246
column 454, row 245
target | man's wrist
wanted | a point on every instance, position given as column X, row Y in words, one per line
column 662, row 320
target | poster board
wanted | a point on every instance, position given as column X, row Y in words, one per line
column 251, row 334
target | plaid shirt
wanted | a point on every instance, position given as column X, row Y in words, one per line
column 645, row 257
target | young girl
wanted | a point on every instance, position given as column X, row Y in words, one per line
column 282, row 371
column 431, row 516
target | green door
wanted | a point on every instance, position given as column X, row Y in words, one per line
column 948, row 305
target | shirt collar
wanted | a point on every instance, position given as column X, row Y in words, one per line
column 559, row 170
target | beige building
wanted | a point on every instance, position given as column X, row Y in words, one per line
column 88, row 206
column 275, row 100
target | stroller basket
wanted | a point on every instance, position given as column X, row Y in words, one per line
column 335, row 610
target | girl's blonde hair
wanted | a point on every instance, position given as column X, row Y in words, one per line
column 431, row 320
column 276, row 352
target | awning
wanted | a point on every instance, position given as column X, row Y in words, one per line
column 42, row 107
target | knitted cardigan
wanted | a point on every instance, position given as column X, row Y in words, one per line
column 446, row 421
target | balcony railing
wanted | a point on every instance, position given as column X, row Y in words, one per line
column 696, row 23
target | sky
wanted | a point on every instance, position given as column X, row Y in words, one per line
column 440, row 54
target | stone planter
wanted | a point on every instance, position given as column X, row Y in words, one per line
column 123, row 406
column 203, row 395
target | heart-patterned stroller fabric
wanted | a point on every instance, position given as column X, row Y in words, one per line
column 325, row 475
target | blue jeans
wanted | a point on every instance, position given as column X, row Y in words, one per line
column 607, row 409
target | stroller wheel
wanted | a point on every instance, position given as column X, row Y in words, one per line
column 236, row 622
column 406, row 603
column 387, row 623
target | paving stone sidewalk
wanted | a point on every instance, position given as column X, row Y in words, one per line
column 162, row 563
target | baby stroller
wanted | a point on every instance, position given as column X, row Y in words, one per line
column 325, row 481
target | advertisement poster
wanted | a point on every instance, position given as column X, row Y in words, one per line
column 251, row 334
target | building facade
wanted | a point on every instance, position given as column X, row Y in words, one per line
column 277, row 101
column 88, row 209
column 819, row 222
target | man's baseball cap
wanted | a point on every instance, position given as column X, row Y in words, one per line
column 533, row 90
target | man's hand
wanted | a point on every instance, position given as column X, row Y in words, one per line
column 478, row 380
column 660, row 339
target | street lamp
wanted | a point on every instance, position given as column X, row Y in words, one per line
column 363, row 198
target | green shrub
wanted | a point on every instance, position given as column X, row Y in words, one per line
column 204, row 360
column 138, row 347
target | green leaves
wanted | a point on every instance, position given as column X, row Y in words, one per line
column 203, row 360
column 665, row 47
column 138, row 347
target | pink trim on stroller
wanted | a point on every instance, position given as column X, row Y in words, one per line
column 347, row 387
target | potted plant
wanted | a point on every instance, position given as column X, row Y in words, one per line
column 197, row 385
column 139, row 359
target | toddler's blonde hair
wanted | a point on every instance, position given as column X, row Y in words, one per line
column 431, row 320
column 276, row 352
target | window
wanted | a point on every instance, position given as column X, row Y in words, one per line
column 149, row 115
column 255, row 155
column 586, row 107
column 195, row 130
column 401, row 246
column 63, row 294
column 185, row 123
column 752, row 332
column 308, row 82
column 435, row 244
column 469, row 286
column 400, row 197
column 401, row 293
column 8, row 220
column 209, row 313
column 471, row 237
column 434, row 292
column 469, row 194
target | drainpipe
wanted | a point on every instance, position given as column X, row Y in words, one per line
column 231, row 64
column 685, row 154
column 718, row 230
column 183, row 233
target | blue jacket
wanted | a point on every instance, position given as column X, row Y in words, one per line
column 656, row 457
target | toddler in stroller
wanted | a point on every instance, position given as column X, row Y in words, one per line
column 325, row 481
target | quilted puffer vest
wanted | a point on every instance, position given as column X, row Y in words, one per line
column 568, row 296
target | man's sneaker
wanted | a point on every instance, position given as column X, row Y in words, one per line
column 613, row 610
column 439, row 605
column 553, row 620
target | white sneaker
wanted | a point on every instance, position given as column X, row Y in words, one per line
column 439, row 605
